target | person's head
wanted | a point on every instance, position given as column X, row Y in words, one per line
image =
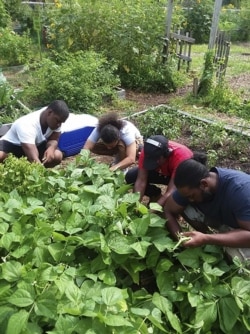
column 156, row 152
column 192, row 180
column 110, row 136
column 109, row 127
column 57, row 113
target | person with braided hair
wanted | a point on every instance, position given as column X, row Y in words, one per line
column 115, row 137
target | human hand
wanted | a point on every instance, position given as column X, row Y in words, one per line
column 48, row 156
column 196, row 239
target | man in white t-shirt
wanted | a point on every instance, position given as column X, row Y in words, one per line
column 36, row 135
column 114, row 136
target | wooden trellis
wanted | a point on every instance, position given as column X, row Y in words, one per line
column 183, row 45
column 221, row 53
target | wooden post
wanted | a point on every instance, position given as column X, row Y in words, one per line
column 195, row 86
column 215, row 23
column 169, row 17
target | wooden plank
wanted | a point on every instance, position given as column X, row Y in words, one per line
column 182, row 38
column 183, row 57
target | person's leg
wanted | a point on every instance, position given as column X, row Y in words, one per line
column 195, row 218
column 58, row 156
column 7, row 147
column 153, row 178
column 121, row 151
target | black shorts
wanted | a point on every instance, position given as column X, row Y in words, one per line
column 17, row 151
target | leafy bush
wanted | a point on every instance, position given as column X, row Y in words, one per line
column 4, row 16
column 14, row 49
column 236, row 21
column 82, row 79
column 130, row 32
column 198, row 19
column 77, row 250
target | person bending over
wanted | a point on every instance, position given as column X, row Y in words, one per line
column 114, row 136
column 157, row 165
column 210, row 198
column 36, row 135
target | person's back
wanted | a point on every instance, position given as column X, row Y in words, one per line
column 115, row 137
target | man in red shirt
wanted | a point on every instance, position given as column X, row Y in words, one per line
column 157, row 165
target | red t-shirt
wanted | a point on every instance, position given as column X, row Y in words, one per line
column 179, row 153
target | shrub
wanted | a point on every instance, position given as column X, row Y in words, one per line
column 199, row 19
column 14, row 49
column 130, row 32
column 82, row 79
column 4, row 16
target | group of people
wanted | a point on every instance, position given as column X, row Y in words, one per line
column 205, row 198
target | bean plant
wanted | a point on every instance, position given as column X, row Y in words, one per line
column 80, row 254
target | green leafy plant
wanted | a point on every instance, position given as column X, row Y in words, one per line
column 199, row 135
column 198, row 19
column 14, row 49
column 77, row 249
column 82, row 79
column 122, row 31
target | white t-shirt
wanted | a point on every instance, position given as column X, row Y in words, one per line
column 27, row 129
column 128, row 134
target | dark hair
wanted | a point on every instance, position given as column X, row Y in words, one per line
column 109, row 134
column 189, row 173
column 110, row 118
column 200, row 157
column 60, row 108
column 109, row 127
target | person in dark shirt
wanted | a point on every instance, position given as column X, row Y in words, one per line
column 210, row 198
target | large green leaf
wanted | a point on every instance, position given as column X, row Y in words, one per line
column 111, row 296
column 190, row 257
column 241, row 287
column 139, row 226
column 228, row 313
column 17, row 322
column 22, row 298
column 3, row 226
column 206, row 312
column 166, row 307
column 46, row 305
column 113, row 320
column 141, row 247
column 11, row 271
column 119, row 243
column 8, row 239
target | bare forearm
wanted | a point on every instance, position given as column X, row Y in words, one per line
column 234, row 238
column 140, row 188
column 52, row 144
column 123, row 164
column 172, row 226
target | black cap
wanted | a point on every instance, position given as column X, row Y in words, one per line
column 154, row 148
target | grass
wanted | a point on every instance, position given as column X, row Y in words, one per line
column 238, row 62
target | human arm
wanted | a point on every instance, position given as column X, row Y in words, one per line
column 234, row 238
column 141, row 182
column 31, row 152
column 128, row 160
column 51, row 146
column 169, row 190
column 172, row 211
column 92, row 140
column 89, row 145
